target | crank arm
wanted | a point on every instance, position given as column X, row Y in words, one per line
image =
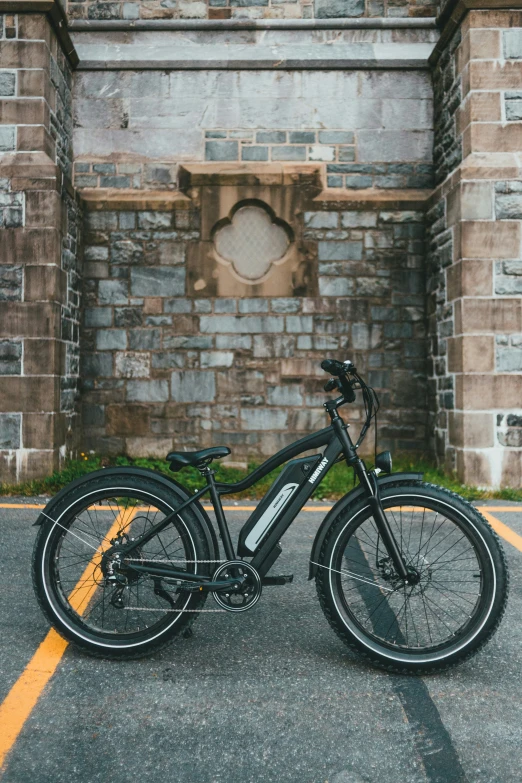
column 217, row 587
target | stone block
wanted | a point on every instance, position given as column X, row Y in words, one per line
column 7, row 138
column 44, row 283
column 360, row 219
column 287, row 152
column 10, row 357
column 490, row 239
column 128, row 420
column 508, row 200
column 10, row 430
column 193, row 386
column 221, row 150
column 111, row 339
column 321, row 219
column 155, row 220
column 148, row 391
column 503, row 316
column 254, row 152
column 273, row 346
column 42, row 430
column 97, row 365
column 29, row 395
column 158, row 281
column 366, row 336
column 263, row 419
column 471, row 353
column 216, row 359
column 144, row 339
column 30, row 319
column 167, row 360
column 508, row 358
column 98, row 316
column 299, row 323
column 513, row 106
column 271, row 137
column 284, row 395
column 476, row 392
column 329, row 9
column 7, row 83
column 113, row 292
column 126, row 251
column 484, row 44
column 394, row 145
column 225, row 306
column 42, row 208
column 235, row 342
column 253, row 305
column 340, row 251
column 179, row 306
column 469, row 278
column 285, row 305
column 126, row 316
column 474, row 467
column 512, row 40
column 336, row 137
column 335, row 286
column 11, row 283
column 44, row 357
column 241, row 324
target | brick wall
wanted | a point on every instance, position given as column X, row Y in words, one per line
column 475, row 271
column 249, row 9
column 162, row 368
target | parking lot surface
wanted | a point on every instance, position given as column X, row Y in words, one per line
column 268, row 696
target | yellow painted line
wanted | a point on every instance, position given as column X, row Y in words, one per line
column 23, row 696
column 503, row 530
column 207, row 508
column 499, row 508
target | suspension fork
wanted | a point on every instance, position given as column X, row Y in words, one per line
column 371, row 488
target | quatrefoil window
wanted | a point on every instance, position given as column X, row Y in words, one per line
column 251, row 240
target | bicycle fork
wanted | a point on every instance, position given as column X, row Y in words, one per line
column 369, row 483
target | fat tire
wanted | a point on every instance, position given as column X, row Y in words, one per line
column 57, row 510
column 383, row 660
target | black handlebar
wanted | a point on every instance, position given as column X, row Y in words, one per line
column 340, row 370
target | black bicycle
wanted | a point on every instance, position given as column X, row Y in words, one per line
column 407, row 573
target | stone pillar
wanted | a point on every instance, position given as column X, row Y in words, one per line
column 39, row 221
column 476, row 250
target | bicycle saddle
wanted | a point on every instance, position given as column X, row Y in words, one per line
column 180, row 459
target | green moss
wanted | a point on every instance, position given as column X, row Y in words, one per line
column 335, row 484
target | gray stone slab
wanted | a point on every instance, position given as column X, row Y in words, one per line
column 193, row 386
column 158, row 281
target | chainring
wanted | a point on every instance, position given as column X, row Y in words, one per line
column 247, row 595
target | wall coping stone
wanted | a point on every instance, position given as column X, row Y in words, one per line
column 123, row 25
column 373, row 198
column 57, row 17
column 275, row 174
column 454, row 12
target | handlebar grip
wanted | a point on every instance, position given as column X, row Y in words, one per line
column 333, row 367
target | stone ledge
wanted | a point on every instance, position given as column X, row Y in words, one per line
column 269, row 174
column 124, row 25
column 111, row 198
column 395, row 199
column 454, row 12
column 56, row 13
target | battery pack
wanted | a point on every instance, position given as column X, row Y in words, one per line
column 267, row 513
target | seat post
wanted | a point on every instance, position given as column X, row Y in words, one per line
column 220, row 516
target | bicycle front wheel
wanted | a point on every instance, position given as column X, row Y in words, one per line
column 459, row 595
column 76, row 551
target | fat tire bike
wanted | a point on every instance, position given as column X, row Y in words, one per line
column 408, row 574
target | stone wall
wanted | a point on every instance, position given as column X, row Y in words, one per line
column 475, row 271
column 249, row 9
column 40, row 222
column 165, row 367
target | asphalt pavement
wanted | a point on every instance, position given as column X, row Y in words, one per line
column 268, row 696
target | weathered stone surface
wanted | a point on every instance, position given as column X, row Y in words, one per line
column 157, row 281
column 328, row 9
column 192, row 386
column 10, row 357
column 148, row 391
column 10, row 430
column 132, row 365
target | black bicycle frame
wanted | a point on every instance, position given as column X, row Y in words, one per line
column 314, row 468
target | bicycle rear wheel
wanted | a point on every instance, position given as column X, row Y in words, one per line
column 74, row 554
column 457, row 601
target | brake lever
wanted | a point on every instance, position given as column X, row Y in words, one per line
column 332, row 384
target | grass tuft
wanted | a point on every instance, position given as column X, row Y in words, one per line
column 336, row 483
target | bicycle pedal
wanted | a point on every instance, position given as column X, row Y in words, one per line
column 277, row 580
